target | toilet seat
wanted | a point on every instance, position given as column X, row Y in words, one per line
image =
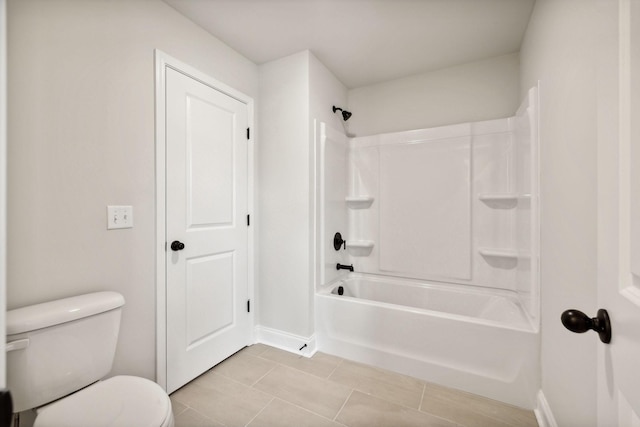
column 118, row 401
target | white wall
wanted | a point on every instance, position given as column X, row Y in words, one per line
column 284, row 208
column 294, row 91
column 81, row 137
column 476, row 91
column 325, row 92
column 559, row 49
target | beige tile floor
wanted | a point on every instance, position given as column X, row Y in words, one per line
column 262, row 386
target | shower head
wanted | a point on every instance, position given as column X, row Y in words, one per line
column 345, row 114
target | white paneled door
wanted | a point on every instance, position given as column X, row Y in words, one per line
column 619, row 212
column 206, row 227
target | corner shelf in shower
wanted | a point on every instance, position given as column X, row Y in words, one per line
column 359, row 202
column 360, row 247
column 502, row 200
column 499, row 253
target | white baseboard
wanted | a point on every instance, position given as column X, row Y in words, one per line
column 303, row 346
column 543, row 412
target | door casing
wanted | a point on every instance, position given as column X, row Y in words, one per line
column 3, row 186
column 162, row 62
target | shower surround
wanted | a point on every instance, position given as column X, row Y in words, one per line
column 441, row 226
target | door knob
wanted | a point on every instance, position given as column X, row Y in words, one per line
column 578, row 322
column 177, row 245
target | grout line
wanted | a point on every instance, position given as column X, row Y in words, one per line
column 226, row 377
column 335, row 369
column 261, row 410
column 265, row 374
column 424, row 390
column 175, row 400
column 307, row 410
column 287, row 366
column 344, row 404
column 300, row 367
column 205, row 416
column 186, row 408
column 264, row 350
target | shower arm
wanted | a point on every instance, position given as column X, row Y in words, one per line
column 346, row 115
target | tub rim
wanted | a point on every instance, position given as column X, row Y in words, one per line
column 527, row 326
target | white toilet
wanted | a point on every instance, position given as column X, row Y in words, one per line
column 57, row 353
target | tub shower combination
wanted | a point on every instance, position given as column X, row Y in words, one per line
column 441, row 228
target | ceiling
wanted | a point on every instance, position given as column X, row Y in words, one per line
column 365, row 42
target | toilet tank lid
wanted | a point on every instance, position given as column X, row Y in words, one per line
column 38, row 316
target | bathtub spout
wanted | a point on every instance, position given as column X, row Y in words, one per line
column 344, row 267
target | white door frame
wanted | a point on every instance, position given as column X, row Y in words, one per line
column 3, row 185
column 162, row 61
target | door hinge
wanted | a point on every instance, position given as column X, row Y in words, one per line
column 248, row 306
column 248, row 133
column 248, row 220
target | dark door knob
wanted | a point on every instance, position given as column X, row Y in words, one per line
column 578, row 322
column 177, row 245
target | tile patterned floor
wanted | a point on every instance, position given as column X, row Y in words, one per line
column 261, row 386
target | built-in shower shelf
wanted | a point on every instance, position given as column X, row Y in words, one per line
column 360, row 247
column 502, row 200
column 359, row 202
column 499, row 253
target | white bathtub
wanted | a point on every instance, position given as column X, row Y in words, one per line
column 476, row 340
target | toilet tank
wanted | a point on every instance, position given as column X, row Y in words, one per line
column 58, row 347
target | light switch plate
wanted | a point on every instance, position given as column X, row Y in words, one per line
column 119, row 217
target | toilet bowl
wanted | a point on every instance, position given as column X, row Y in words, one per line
column 57, row 354
column 117, row 401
